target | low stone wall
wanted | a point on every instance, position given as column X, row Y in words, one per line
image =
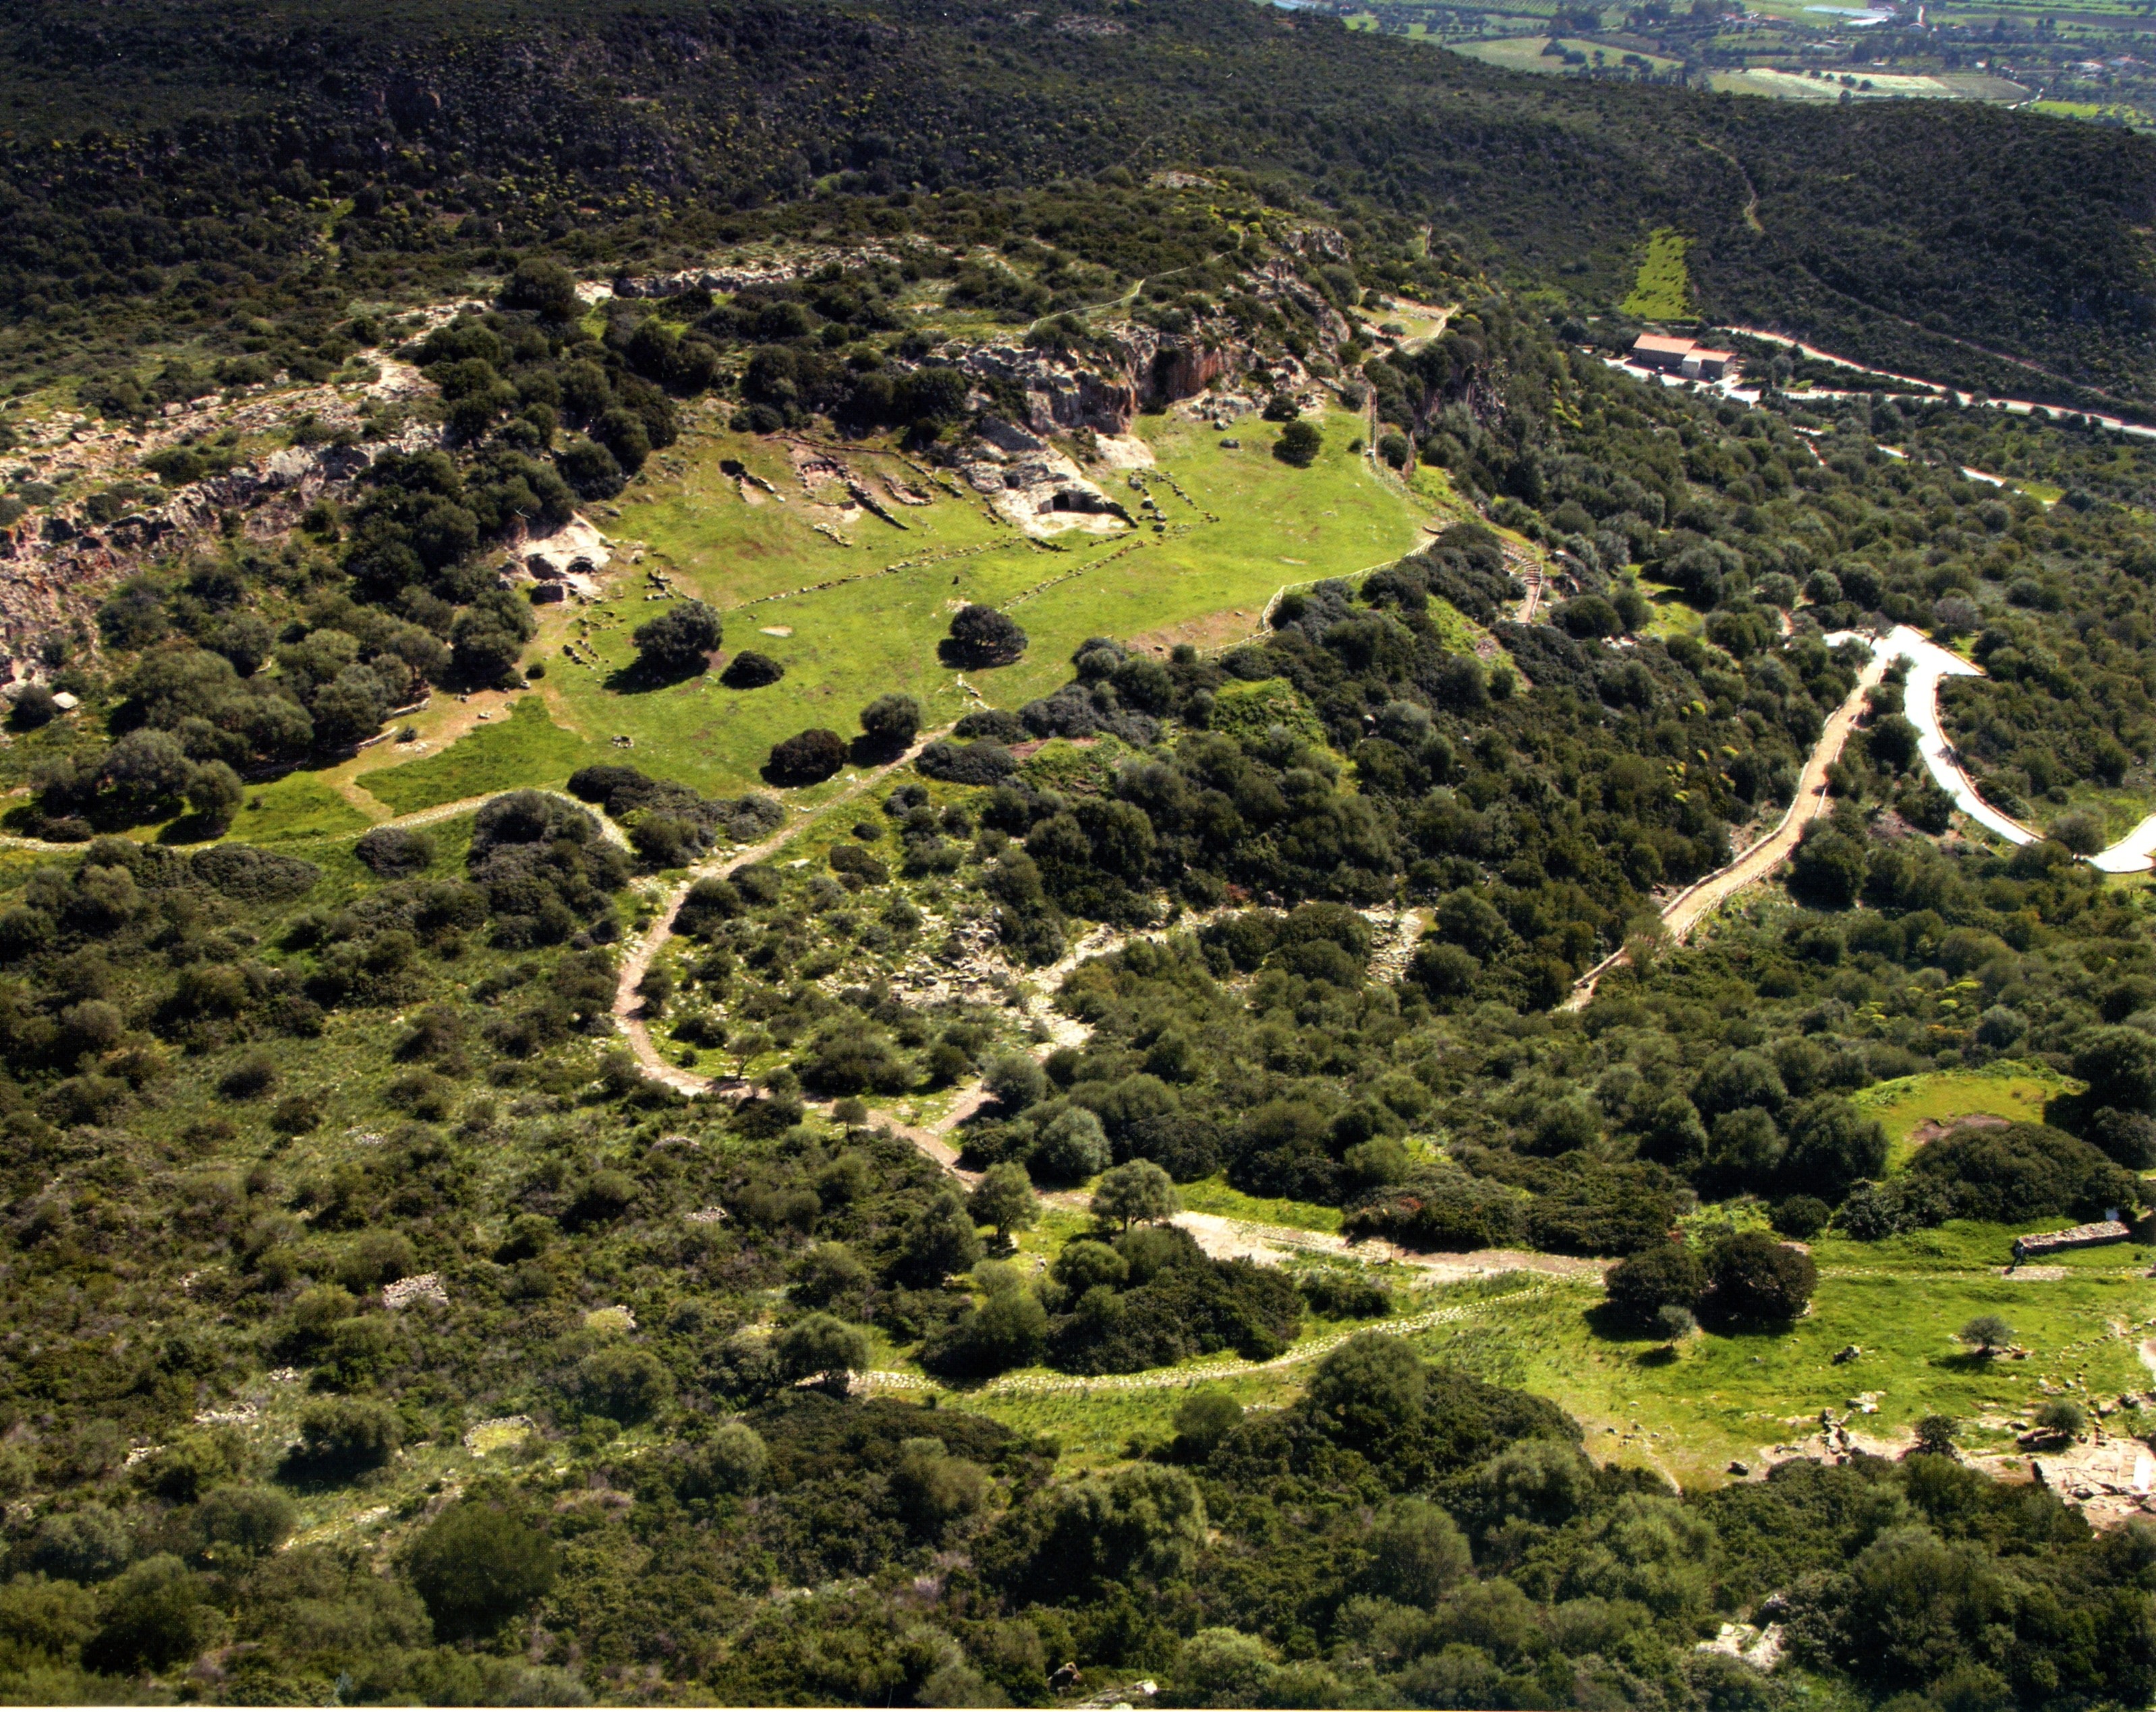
column 2080, row 1236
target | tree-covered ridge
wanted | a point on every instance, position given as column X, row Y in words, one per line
column 1937, row 236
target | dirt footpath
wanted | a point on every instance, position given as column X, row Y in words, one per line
column 1703, row 897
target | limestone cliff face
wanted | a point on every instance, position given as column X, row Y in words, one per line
column 1132, row 366
column 1104, row 389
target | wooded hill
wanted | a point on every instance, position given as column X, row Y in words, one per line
column 1921, row 235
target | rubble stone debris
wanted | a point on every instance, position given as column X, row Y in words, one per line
column 1760, row 1648
column 420, row 1287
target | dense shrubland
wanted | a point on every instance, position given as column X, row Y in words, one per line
column 245, row 1091
column 1398, row 1536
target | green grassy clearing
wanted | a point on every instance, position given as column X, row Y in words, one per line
column 1662, row 291
column 1670, row 614
column 2008, row 1089
column 1250, row 525
column 1721, row 1398
column 1726, row 1398
column 1093, row 1428
column 1251, row 708
column 298, row 805
column 1212, row 1195
column 527, row 748
column 1414, row 327
column 1275, row 526
column 1526, row 53
column 1963, row 1246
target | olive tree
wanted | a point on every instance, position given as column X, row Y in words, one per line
column 982, row 636
column 1987, row 1335
column 1004, row 1199
column 677, row 643
column 889, row 722
column 1139, row 1192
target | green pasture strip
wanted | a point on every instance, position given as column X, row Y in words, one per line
column 1720, row 1399
column 297, row 805
column 527, row 748
column 1213, row 1195
column 1662, row 291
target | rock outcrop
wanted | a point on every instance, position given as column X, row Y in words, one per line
column 1034, row 485
column 742, row 275
column 1131, row 366
column 554, row 563
column 54, row 565
column 1128, row 370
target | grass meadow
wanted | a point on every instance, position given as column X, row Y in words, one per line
column 2007, row 1087
column 1662, row 291
column 1723, row 1398
column 1242, row 526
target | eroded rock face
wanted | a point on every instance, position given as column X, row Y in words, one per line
column 1134, row 366
column 552, row 563
column 53, row 566
column 1105, row 390
column 1062, row 392
column 1034, row 485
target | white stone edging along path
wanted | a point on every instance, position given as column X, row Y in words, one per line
column 1929, row 665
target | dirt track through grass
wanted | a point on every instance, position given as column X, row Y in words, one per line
column 1197, row 1373
column 1703, row 897
column 628, row 1007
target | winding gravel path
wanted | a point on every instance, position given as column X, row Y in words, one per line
column 1929, row 665
column 1704, row 896
column 628, row 1008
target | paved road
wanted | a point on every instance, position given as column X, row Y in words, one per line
column 1929, row 665
column 2014, row 407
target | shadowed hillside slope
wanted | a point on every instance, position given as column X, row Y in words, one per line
column 1938, row 237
